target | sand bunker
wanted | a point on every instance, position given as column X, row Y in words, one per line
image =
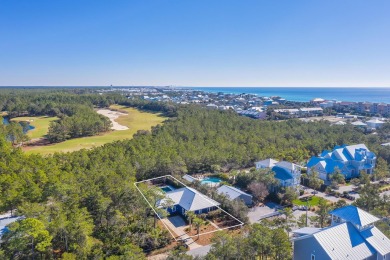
column 112, row 115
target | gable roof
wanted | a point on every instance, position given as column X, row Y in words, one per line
column 269, row 163
column 358, row 123
column 376, row 121
column 231, row 192
column 340, row 156
column 344, row 242
column 282, row 173
column 353, row 148
column 190, row 199
column 377, row 240
column 287, row 165
column 355, row 215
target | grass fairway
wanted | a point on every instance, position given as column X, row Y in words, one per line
column 41, row 124
column 313, row 201
column 135, row 120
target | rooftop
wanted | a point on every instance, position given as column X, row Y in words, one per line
column 269, row 163
column 190, row 199
column 231, row 192
column 354, row 215
column 344, row 242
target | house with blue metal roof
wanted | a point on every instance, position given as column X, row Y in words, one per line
column 288, row 174
column 349, row 159
column 233, row 193
column 352, row 235
column 5, row 220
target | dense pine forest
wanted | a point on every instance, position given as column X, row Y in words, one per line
column 84, row 205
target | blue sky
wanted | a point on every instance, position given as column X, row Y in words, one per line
column 195, row 43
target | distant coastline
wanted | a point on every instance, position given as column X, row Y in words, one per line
column 304, row 94
column 298, row 94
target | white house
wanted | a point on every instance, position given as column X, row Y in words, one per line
column 268, row 163
column 288, row 174
column 375, row 123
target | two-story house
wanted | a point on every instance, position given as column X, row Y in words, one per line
column 288, row 174
column 349, row 159
column 352, row 235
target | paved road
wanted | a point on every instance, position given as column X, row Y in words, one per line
column 200, row 251
column 257, row 213
column 326, row 196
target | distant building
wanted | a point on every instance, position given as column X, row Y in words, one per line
column 288, row 174
column 375, row 123
column 212, row 106
column 310, row 111
column 270, row 103
column 287, row 111
column 350, row 160
column 327, row 104
column 235, row 194
column 317, row 100
column 340, row 123
column 352, row 235
column 359, row 124
column 363, row 107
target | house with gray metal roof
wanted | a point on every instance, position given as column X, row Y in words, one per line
column 233, row 193
column 349, row 159
column 288, row 174
column 188, row 199
column 189, row 178
column 352, row 235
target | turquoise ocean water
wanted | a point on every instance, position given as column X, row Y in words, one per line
column 306, row 94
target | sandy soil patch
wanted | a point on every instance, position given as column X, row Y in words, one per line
column 112, row 115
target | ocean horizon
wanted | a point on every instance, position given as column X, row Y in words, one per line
column 305, row 94
column 299, row 94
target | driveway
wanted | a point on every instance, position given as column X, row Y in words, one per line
column 177, row 221
column 200, row 251
column 178, row 225
column 257, row 213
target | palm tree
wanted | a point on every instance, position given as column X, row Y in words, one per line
column 190, row 216
column 198, row 222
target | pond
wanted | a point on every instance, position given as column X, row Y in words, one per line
column 26, row 125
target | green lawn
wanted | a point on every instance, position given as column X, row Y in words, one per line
column 135, row 120
column 313, row 201
column 384, row 187
column 40, row 123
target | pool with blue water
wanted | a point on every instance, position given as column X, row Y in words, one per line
column 211, row 181
column 167, row 188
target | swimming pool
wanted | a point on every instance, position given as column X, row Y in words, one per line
column 167, row 188
column 211, row 181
